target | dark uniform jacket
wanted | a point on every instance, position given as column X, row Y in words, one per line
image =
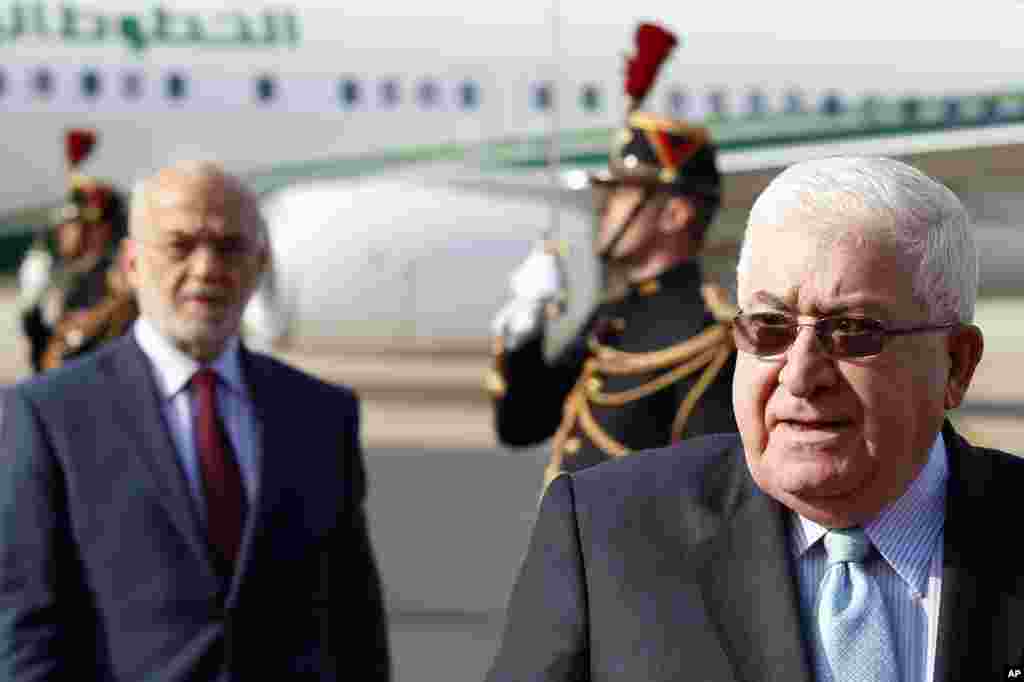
column 601, row 414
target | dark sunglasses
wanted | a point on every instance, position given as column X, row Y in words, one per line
column 768, row 335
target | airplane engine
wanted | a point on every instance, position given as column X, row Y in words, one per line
column 389, row 257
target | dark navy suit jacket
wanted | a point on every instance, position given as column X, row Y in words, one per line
column 673, row 565
column 105, row 572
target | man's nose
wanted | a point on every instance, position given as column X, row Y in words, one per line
column 207, row 259
column 807, row 368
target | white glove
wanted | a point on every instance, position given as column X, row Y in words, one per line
column 537, row 277
column 534, row 284
column 34, row 276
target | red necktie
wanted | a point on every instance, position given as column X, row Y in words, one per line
column 222, row 479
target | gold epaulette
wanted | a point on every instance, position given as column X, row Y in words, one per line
column 494, row 379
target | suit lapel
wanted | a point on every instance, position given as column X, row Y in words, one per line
column 749, row 585
column 981, row 614
column 140, row 418
column 273, row 417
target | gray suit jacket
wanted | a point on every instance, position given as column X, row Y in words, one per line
column 673, row 565
column 105, row 573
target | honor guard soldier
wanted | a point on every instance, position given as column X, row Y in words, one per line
column 73, row 302
column 652, row 362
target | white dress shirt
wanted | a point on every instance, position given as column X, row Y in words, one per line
column 173, row 369
column 908, row 568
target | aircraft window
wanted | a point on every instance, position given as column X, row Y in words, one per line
column 756, row 103
column 677, row 102
column 910, row 109
column 541, row 96
column 469, row 95
column 91, row 84
column 717, row 103
column 794, row 102
column 1014, row 107
column 131, row 85
column 428, row 93
column 590, row 98
column 42, row 82
column 388, row 93
column 870, row 107
column 832, row 104
column 990, row 109
column 266, row 88
column 349, row 92
column 951, row 110
column 176, row 86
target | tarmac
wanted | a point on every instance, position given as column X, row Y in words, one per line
column 451, row 511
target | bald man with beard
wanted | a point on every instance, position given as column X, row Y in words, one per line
column 175, row 506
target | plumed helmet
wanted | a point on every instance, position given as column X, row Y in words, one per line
column 90, row 200
column 655, row 150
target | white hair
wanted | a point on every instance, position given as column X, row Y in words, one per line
column 144, row 191
column 889, row 200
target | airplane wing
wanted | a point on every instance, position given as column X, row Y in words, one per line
column 966, row 142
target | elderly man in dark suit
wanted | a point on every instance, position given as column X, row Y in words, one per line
column 175, row 507
column 841, row 534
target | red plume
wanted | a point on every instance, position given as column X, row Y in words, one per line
column 653, row 44
column 78, row 143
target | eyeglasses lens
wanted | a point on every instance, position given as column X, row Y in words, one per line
column 771, row 334
column 762, row 335
column 850, row 337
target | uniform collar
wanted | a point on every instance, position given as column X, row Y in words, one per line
column 684, row 274
column 174, row 368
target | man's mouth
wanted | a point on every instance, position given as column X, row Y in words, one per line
column 814, row 429
column 815, row 424
column 206, row 300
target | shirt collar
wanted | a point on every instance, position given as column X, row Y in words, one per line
column 174, row 368
column 908, row 530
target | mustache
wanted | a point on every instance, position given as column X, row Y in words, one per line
column 214, row 293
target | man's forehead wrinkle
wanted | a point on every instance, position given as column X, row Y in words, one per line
column 785, row 300
column 196, row 208
column 172, row 189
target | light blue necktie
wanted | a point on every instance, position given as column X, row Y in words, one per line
column 854, row 626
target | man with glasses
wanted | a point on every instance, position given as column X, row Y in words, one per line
column 841, row 534
column 175, row 506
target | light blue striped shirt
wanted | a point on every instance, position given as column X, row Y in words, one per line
column 907, row 566
column 173, row 369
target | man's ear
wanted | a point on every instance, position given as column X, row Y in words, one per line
column 265, row 257
column 128, row 257
column 678, row 214
column 965, row 346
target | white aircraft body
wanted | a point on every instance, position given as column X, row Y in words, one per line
column 408, row 161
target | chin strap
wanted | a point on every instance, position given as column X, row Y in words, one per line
column 622, row 228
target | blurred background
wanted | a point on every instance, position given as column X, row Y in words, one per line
column 408, row 157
